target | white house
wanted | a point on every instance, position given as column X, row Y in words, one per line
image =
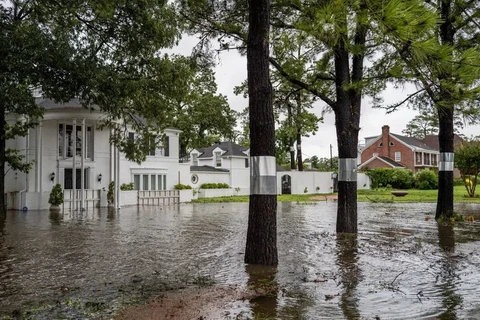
column 69, row 148
column 223, row 162
column 227, row 162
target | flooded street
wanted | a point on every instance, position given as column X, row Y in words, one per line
column 399, row 266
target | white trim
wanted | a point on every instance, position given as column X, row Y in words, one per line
column 377, row 157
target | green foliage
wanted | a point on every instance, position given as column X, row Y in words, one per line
column 395, row 178
column 214, row 186
column 426, row 180
column 111, row 192
column 127, row 186
column 203, row 115
column 467, row 160
column 181, row 186
column 56, row 195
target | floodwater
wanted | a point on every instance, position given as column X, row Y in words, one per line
column 399, row 266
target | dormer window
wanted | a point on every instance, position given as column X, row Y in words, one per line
column 218, row 160
column 195, row 159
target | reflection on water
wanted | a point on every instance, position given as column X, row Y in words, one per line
column 447, row 277
column 261, row 280
column 350, row 274
column 399, row 266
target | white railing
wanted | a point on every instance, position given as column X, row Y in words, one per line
column 91, row 199
column 158, row 197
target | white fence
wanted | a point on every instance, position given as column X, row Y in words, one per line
column 158, row 197
column 91, row 199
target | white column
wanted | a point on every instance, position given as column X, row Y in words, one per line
column 82, row 166
column 114, row 177
column 117, row 180
column 74, row 164
column 38, row 158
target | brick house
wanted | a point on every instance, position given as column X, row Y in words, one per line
column 390, row 150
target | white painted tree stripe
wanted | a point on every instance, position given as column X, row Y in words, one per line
column 446, row 161
column 347, row 169
column 263, row 166
column 263, row 175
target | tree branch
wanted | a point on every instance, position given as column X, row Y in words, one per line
column 301, row 84
column 394, row 107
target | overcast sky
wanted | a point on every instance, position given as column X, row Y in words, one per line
column 232, row 70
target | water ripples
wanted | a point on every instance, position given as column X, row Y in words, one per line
column 399, row 266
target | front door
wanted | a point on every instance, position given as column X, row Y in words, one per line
column 68, row 182
column 286, row 184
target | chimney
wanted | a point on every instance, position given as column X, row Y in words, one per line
column 385, row 139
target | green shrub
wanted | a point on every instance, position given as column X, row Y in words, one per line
column 214, row 186
column 111, row 192
column 392, row 178
column 424, row 185
column 426, row 176
column 127, row 186
column 181, row 186
column 56, row 196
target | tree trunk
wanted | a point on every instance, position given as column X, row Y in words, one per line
column 290, row 139
column 2, row 164
column 445, row 178
column 299, row 134
column 261, row 246
column 347, row 124
column 347, row 139
column 445, row 119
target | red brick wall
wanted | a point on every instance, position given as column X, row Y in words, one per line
column 408, row 156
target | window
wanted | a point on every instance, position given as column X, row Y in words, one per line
column 426, row 157
column 66, row 144
column 246, row 163
column 391, row 144
column 151, row 146
column 131, row 136
column 418, row 158
column 162, row 182
column 136, row 181
column 218, row 160
column 434, row 159
column 166, row 146
column 153, row 182
column 145, row 182
column 195, row 159
column 398, row 156
column 380, row 144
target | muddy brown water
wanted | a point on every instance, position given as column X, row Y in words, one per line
column 399, row 266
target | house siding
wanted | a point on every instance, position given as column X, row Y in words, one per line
column 408, row 156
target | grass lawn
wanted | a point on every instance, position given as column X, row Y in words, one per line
column 380, row 195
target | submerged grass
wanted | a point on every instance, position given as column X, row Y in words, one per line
column 379, row 195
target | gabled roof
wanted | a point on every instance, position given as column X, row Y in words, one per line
column 432, row 141
column 386, row 160
column 207, row 168
column 49, row 104
column 411, row 141
column 229, row 149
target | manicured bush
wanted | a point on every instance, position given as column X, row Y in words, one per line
column 426, row 180
column 182, row 186
column 56, row 196
column 111, row 192
column 127, row 186
column 393, row 178
column 214, row 186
